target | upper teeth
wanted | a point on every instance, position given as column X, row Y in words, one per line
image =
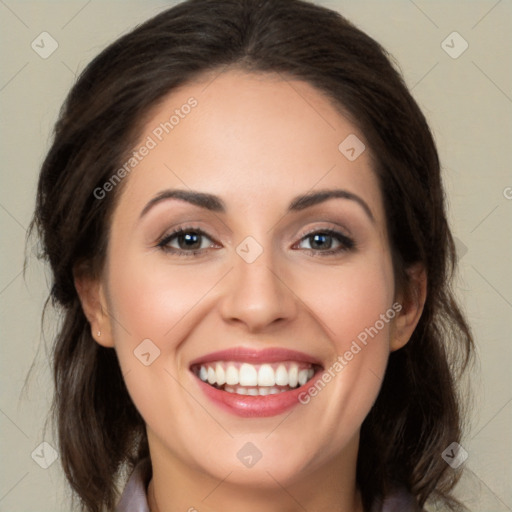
column 245, row 374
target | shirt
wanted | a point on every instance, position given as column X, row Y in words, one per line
column 134, row 497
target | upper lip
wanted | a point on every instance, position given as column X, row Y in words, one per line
column 250, row 355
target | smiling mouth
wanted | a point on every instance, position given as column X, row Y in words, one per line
column 255, row 379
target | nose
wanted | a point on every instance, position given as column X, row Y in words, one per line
column 257, row 295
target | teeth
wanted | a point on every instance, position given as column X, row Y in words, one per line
column 212, row 376
column 265, row 379
column 248, row 375
column 281, row 376
column 221, row 374
column 293, row 376
column 231, row 375
column 254, row 391
column 266, row 376
column 303, row 377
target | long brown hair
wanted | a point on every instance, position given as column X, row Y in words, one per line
column 418, row 412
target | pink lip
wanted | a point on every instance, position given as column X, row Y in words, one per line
column 254, row 406
column 249, row 355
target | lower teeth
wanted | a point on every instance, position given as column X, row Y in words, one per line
column 256, row 391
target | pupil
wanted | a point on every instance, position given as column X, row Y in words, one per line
column 190, row 241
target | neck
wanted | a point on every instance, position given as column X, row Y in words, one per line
column 177, row 487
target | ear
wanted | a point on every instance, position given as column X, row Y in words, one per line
column 92, row 297
column 412, row 301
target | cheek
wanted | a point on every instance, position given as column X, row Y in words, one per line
column 154, row 306
column 350, row 298
column 354, row 304
column 148, row 305
column 150, row 299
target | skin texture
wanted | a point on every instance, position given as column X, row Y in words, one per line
column 257, row 142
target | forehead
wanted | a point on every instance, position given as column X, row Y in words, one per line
column 255, row 139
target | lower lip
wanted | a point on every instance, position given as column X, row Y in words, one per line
column 249, row 406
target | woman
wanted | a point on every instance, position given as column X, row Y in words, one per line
column 244, row 216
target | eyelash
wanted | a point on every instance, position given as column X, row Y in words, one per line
column 346, row 243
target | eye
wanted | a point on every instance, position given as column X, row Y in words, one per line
column 185, row 241
column 327, row 241
column 188, row 241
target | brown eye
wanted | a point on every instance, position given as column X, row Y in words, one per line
column 189, row 240
column 186, row 241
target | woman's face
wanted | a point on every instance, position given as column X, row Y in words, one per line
column 282, row 274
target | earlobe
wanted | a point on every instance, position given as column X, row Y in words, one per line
column 412, row 302
column 92, row 297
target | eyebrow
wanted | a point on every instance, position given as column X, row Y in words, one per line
column 215, row 204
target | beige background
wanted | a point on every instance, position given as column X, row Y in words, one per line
column 468, row 101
